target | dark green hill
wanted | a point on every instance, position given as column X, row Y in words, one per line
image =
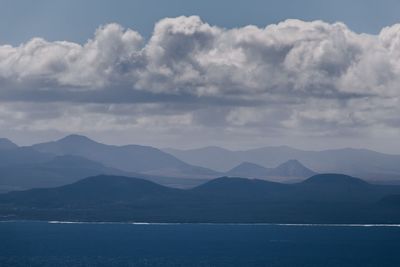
column 329, row 198
column 94, row 192
column 229, row 188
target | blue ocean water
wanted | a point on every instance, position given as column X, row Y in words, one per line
column 198, row 245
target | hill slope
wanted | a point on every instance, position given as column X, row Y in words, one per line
column 130, row 158
column 60, row 170
column 6, row 144
column 249, row 170
column 330, row 198
column 93, row 192
column 213, row 157
column 292, row 168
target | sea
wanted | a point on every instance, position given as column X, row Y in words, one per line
column 58, row 244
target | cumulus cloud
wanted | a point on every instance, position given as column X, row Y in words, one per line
column 294, row 76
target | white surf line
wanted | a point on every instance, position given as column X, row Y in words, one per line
column 338, row 225
column 132, row 223
column 233, row 224
column 221, row 224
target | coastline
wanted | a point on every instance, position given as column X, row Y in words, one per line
column 227, row 224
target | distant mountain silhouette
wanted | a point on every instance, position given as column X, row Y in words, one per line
column 60, row 170
column 292, row 168
column 328, row 198
column 249, row 170
column 24, row 168
column 284, row 172
column 6, row 144
column 17, row 162
column 131, row 158
column 213, row 157
column 23, row 155
column 363, row 163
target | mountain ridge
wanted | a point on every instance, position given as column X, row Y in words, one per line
column 222, row 200
column 28, row 167
column 286, row 171
column 365, row 163
column 7, row 144
column 131, row 158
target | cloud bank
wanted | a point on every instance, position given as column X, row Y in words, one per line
column 287, row 79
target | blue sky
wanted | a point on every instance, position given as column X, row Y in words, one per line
column 75, row 20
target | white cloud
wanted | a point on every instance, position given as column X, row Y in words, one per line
column 292, row 77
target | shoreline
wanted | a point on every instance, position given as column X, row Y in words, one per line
column 227, row 224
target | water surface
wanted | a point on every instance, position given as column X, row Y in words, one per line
column 200, row 245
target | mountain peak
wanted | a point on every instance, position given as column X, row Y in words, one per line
column 6, row 144
column 334, row 179
column 76, row 138
column 128, row 158
column 293, row 168
column 292, row 162
column 249, row 169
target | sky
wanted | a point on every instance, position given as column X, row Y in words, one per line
column 309, row 74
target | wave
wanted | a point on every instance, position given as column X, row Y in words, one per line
column 231, row 224
column 247, row 224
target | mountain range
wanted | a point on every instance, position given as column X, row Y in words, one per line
column 75, row 157
column 325, row 198
column 130, row 158
column 287, row 171
column 367, row 164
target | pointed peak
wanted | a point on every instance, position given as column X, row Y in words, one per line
column 293, row 168
column 248, row 170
